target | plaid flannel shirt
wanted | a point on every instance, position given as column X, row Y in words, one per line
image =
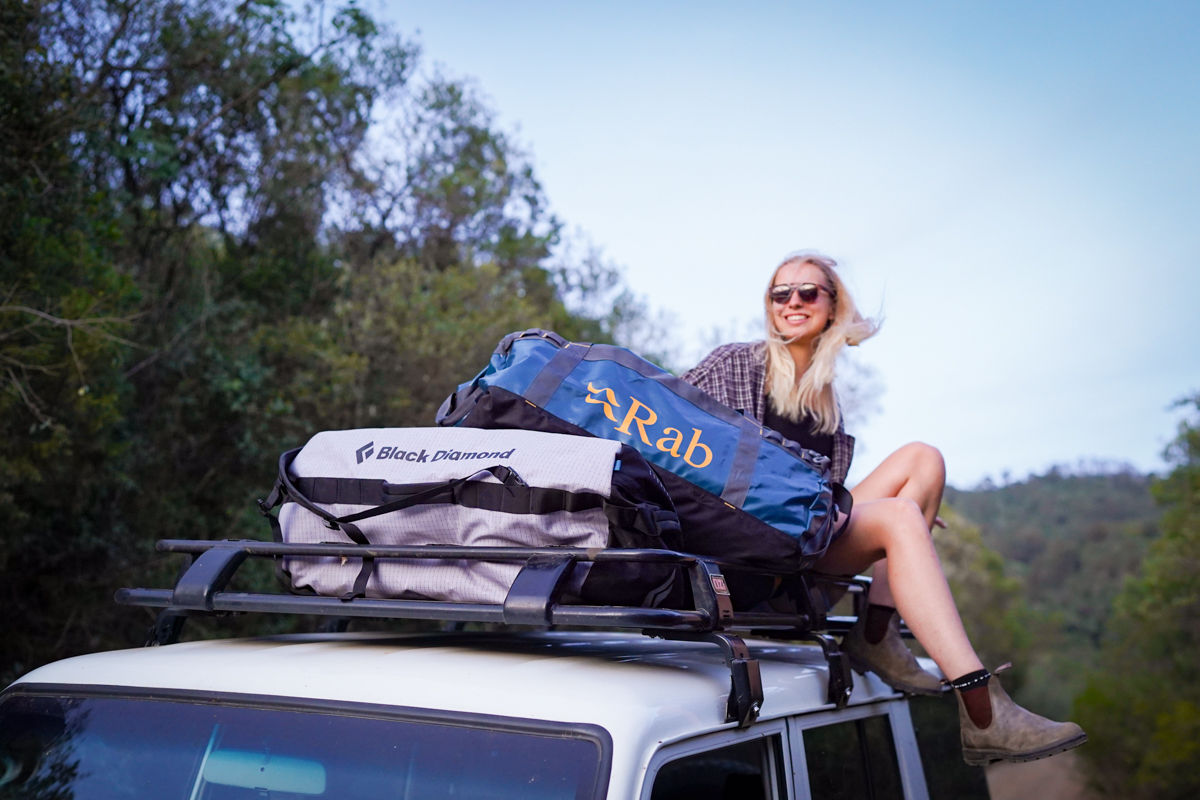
column 736, row 375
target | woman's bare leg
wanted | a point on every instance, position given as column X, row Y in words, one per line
column 896, row 529
column 915, row 472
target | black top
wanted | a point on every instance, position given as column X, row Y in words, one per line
column 803, row 433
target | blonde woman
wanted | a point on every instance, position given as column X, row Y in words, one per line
column 786, row 382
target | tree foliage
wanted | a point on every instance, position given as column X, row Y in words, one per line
column 224, row 226
column 1142, row 709
column 1070, row 538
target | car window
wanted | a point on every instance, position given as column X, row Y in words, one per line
column 743, row 771
column 101, row 748
column 853, row 760
column 948, row 777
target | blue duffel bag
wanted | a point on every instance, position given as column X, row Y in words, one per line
column 743, row 493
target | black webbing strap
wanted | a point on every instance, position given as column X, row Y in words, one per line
column 523, row 499
column 368, row 564
column 508, row 499
column 551, row 376
column 505, row 475
column 741, row 471
column 648, row 520
column 264, row 508
column 281, row 489
column 844, row 502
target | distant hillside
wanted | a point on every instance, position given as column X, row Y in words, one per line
column 1071, row 539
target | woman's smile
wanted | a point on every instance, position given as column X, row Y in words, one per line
column 797, row 319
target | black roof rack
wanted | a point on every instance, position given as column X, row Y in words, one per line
column 533, row 599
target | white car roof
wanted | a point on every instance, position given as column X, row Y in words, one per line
column 645, row 692
column 676, row 689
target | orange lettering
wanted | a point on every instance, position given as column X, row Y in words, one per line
column 674, row 441
column 608, row 404
column 631, row 416
column 692, row 448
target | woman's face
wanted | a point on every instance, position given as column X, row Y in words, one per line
column 802, row 322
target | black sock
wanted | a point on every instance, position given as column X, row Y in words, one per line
column 973, row 689
column 878, row 619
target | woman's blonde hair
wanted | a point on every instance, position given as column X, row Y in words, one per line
column 812, row 393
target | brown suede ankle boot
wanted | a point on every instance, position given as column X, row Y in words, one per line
column 1011, row 733
column 890, row 659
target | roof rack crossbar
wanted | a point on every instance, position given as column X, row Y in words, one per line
column 536, row 590
column 533, row 599
column 583, row 616
column 256, row 547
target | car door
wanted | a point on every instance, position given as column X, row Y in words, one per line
column 906, row 748
column 731, row 765
column 866, row 752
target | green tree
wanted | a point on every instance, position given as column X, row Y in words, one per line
column 223, row 227
column 1142, row 710
column 1070, row 538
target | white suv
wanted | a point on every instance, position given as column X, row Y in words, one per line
column 508, row 714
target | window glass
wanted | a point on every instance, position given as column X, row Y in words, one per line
column 853, row 760
column 742, row 771
column 99, row 748
column 946, row 774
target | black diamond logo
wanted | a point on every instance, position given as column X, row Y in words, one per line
column 365, row 451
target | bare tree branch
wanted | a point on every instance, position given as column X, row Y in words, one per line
column 87, row 324
column 29, row 402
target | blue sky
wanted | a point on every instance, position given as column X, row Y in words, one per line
column 1013, row 187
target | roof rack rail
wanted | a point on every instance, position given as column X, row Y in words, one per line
column 533, row 599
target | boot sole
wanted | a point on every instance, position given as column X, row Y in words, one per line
column 981, row 758
column 862, row 668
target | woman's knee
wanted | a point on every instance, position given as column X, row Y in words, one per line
column 925, row 460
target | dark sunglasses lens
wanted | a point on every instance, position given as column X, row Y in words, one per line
column 808, row 293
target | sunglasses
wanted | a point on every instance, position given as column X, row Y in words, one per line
column 782, row 292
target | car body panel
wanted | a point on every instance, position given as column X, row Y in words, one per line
column 645, row 692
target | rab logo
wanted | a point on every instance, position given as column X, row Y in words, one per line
column 364, row 452
column 672, row 439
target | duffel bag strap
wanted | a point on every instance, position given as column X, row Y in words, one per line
column 284, row 488
column 646, row 519
column 265, row 507
column 844, row 502
column 506, row 476
column 551, row 376
column 741, row 471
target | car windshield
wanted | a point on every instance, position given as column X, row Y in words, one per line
column 94, row 748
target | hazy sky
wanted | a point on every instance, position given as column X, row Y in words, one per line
column 1014, row 187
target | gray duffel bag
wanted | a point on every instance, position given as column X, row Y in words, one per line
column 477, row 488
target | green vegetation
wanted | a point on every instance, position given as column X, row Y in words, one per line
column 1098, row 603
column 1142, row 707
column 224, row 226
column 1070, row 541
